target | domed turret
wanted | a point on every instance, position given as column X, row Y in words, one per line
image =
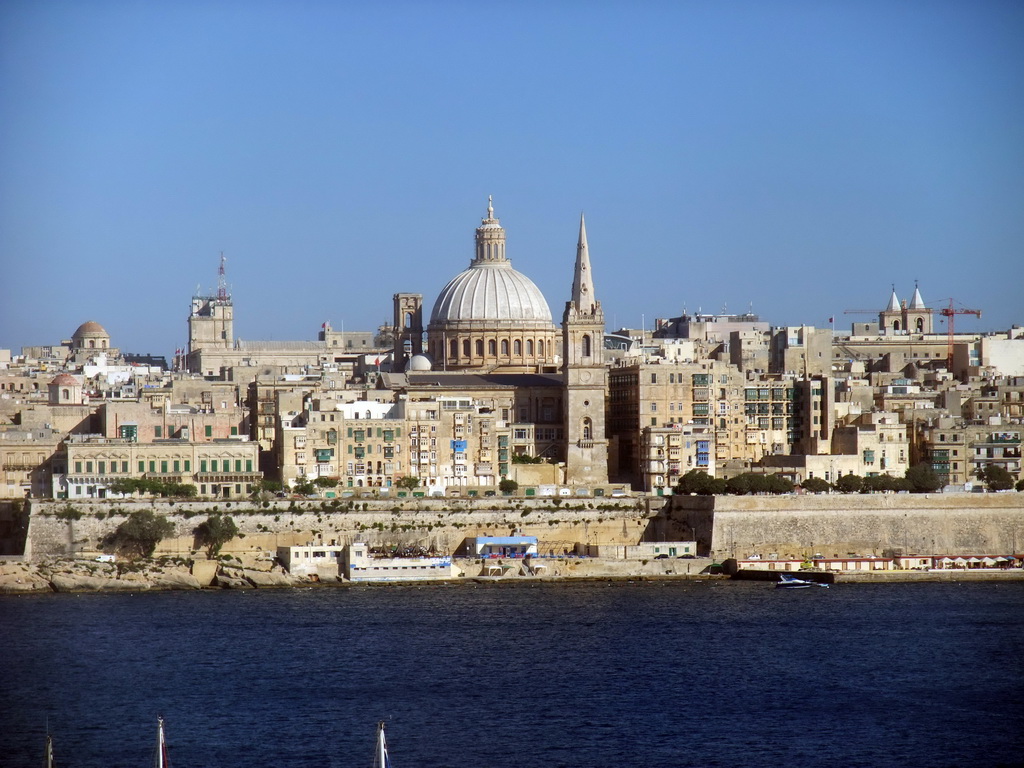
column 90, row 335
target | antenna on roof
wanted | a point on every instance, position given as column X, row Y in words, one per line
column 222, row 285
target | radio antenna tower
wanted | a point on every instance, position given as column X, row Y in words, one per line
column 222, row 285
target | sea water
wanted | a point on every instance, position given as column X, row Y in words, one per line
column 592, row 674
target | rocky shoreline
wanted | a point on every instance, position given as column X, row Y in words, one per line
column 66, row 575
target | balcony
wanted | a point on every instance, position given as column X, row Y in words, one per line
column 221, row 477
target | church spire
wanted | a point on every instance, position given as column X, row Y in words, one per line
column 583, row 281
column 917, row 302
column 894, row 302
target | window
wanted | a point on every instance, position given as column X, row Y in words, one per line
column 517, row 347
column 480, row 347
column 504, row 346
column 209, row 430
column 529, row 347
column 158, row 431
column 465, row 347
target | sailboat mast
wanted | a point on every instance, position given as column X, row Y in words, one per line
column 381, row 760
column 48, row 757
column 161, row 745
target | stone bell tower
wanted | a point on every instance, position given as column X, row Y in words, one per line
column 407, row 329
column 585, row 376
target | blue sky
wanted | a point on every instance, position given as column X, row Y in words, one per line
column 799, row 157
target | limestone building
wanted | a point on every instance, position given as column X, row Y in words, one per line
column 88, row 464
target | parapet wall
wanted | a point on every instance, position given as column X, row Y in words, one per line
column 441, row 523
column 838, row 525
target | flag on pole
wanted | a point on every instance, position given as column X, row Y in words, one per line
column 832, row 319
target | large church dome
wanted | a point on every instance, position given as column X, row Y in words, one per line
column 490, row 316
column 491, row 291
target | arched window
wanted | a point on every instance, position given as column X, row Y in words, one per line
column 66, row 394
column 588, row 428
column 895, row 325
column 453, row 348
column 586, row 345
column 492, row 347
column 540, row 348
column 465, row 347
column 504, row 346
column 517, row 347
column 529, row 347
column 480, row 347
column 920, row 325
column 408, row 319
column 91, row 343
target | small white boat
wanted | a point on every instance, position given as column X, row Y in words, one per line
column 48, row 757
column 792, row 582
column 380, row 757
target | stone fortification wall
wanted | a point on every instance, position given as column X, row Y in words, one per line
column 439, row 523
column 837, row 525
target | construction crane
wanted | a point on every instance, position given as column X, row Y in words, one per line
column 950, row 312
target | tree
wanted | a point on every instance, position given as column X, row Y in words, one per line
column 816, row 485
column 779, row 484
column 923, row 479
column 508, row 485
column 152, row 486
column 1020, row 484
column 997, row 477
column 215, row 532
column 525, row 458
column 408, row 482
column 849, row 483
column 738, row 485
column 326, row 482
column 304, row 486
column 140, row 533
column 125, row 485
column 695, row 481
column 261, row 487
column 717, row 487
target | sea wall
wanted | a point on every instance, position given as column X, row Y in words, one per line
column 838, row 525
column 56, row 528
